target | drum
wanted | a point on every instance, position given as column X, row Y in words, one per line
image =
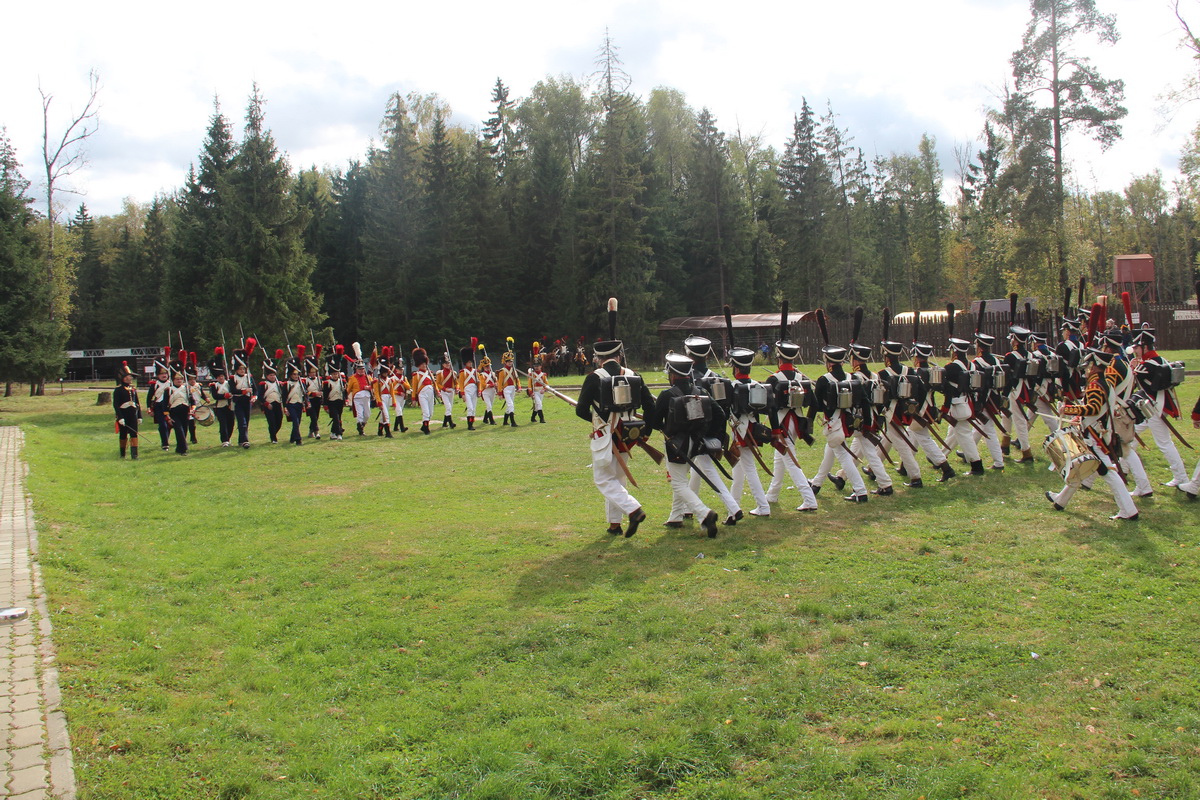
column 1070, row 455
column 204, row 416
column 757, row 397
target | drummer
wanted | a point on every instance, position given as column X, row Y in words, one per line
column 1091, row 425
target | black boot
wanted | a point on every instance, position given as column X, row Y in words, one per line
column 403, row 427
column 470, row 423
column 425, row 427
column 133, row 452
column 514, row 418
column 122, row 448
column 533, row 416
column 541, row 416
column 387, row 432
column 396, row 424
column 976, row 468
column 445, row 421
column 379, row 431
column 360, row 427
column 453, row 424
column 506, row 420
column 947, row 472
column 915, row 483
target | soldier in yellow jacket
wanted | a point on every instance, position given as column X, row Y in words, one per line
column 537, row 385
column 445, row 381
column 508, row 381
column 468, row 382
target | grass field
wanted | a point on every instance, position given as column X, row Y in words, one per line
column 444, row 616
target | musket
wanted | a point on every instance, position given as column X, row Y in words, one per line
column 930, row 426
column 449, row 357
column 1171, row 428
column 952, row 422
column 288, row 343
column 878, row 444
column 243, row 334
column 224, row 355
column 748, row 443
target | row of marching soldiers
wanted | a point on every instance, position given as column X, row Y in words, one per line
column 1096, row 391
column 341, row 383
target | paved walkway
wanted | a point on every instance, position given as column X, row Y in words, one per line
column 36, row 759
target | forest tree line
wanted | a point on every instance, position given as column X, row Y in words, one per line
column 582, row 190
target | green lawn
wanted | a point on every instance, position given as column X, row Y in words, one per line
column 444, row 616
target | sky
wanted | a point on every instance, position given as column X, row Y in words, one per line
column 891, row 72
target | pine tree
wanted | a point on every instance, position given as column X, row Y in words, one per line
column 801, row 224
column 29, row 341
column 266, row 275
column 91, row 278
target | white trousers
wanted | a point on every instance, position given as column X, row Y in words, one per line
column 398, row 404
column 426, row 398
column 447, row 402
column 706, row 465
column 961, row 435
column 1162, row 437
column 537, row 399
column 1131, row 461
column 922, row 438
column 362, row 406
column 907, row 457
column 784, row 465
column 385, row 410
column 1125, row 504
column 610, row 480
column 835, row 437
column 869, row 453
column 489, row 397
column 510, row 406
column 683, row 499
column 991, row 438
column 1019, row 425
column 471, row 398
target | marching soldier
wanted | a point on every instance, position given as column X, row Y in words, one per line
column 422, row 387
column 1121, row 414
column 613, row 424
column 156, row 398
column 901, row 407
column 789, row 389
column 179, row 409
column 295, row 398
column 985, row 365
column 314, row 392
column 270, row 399
column 360, row 390
column 1043, row 367
column 686, row 421
column 397, row 386
column 1092, row 417
column 1069, row 352
column 444, row 380
column 828, row 391
column 243, row 391
column 382, row 397
column 333, row 393
column 957, row 408
column 537, row 386
column 1021, row 397
column 508, row 381
column 127, row 409
column 926, row 414
column 1153, row 376
column 866, row 435
column 749, row 399
column 488, row 385
column 468, row 382
column 199, row 394
column 222, row 394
